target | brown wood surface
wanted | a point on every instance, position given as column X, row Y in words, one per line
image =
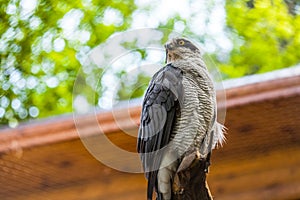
column 260, row 160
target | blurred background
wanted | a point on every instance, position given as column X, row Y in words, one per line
column 44, row 44
column 70, row 63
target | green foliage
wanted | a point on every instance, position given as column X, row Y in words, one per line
column 266, row 36
column 40, row 57
column 44, row 43
column 135, row 89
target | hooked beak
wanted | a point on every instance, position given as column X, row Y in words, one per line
column 168, row 48
column 166, row 59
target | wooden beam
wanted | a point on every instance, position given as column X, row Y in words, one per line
column 63, row 128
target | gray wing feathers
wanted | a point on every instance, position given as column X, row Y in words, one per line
column 161, row 102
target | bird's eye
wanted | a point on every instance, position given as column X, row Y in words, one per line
column 181, row 42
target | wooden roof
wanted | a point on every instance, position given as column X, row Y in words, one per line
column 260, row 160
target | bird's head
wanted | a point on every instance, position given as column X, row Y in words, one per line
column 180, row 48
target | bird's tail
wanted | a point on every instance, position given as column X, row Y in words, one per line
column 152, row 183
column 149, row 191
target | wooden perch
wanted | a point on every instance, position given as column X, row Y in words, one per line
column 190, row 183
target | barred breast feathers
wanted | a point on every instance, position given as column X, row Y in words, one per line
column 210, row 133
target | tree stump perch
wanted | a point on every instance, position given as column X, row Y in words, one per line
column 190, row 183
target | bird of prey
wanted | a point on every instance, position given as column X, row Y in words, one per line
column 179, row 117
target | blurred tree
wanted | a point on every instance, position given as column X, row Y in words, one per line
column 265, row 34
column 134, row 90
column 44, row 43
column 42, row 47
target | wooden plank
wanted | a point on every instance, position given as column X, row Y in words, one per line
column 271, row 176
column 63, row 168
column 51, row 174
column 76, row 175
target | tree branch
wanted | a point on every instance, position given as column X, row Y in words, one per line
column 190, row 183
